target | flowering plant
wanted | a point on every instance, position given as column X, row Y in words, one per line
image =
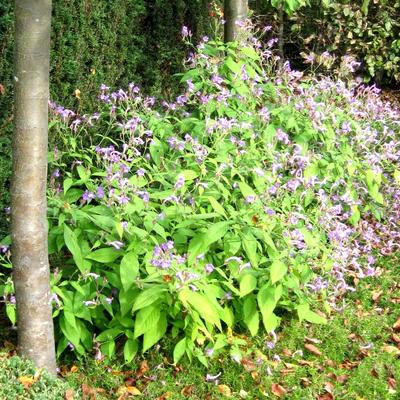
column 253, row 192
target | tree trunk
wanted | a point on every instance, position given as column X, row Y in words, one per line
column 234, row 10
column 28, row 188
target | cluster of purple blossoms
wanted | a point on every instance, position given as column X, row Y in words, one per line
column 164, row 256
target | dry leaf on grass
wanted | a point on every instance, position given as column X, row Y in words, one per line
column 74, row 369
column 305, row 382
column 376, row 294
column 26, row 380
column 187, row 390
column 325, row 396
column 312, row 340
column 391, row 349
column 313, row 349
column 88, row 392
column 248, row 364
column 69, row 394
column 396, row 325
column 165, row 396
column 278, row 390
column 225, row 390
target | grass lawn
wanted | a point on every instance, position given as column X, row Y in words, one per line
column 355, row 356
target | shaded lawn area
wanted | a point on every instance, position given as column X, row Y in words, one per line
column 355, row 356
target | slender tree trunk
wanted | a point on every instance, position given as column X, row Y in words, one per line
column 28, row 189
column 234, row 10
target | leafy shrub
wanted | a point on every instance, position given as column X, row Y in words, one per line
column 40, row 385
column 252, row 193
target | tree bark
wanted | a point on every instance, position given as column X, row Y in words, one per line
column 234, row 10
column 28, row 188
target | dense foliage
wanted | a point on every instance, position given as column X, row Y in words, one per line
column 256, row 190
column 95, row 42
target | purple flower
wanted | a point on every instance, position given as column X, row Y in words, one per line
column 4, row 248
column 185, row 32
column 250, row 199
column 100, row 192
column 180, row 182
column 87, row 196
column 209, row 268
column 140, row 172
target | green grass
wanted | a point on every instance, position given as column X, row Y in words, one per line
column 344, row 367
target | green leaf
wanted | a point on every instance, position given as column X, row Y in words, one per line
column 267, row 299
column 250, row 315
column 108, row 348
column 68, row 182
column 83, row 173
column 200, row 243
column 248, row 283
column 149, row 296
column 109, row 334
column 179, row 350
column 216, row 206
column 146, row 319
column 278, row 271
column 105, row 255
column 249, row 244
column 130, row 349
column 152, row 336
column 11, row 313
column 72, row 244
column 304, row 313
column 250, row 52
column 246, row 189
column 129, row 269
column 232, row 65
column 202, row 305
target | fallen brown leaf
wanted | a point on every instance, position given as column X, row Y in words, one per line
column 165, row 396
column 69, row 394
column 328, row 386
column 26, row 380
column 330, row 363
column 143, row 368
column 74, row 369
column 305, row 382
column 325, row 396
column 88, row 392
column 278, row 390
column 374, row 373
column 342, row 378
column 396, row 325
column 286, row 352
column 347, row 364
column 306, row 362
column 225, row 390
column 248, row 364
column 376, row 294
column 254, row 375
column 395, row 338
column 392, row 383
column 133, row 390
column 313, row 349
column 187, row 390
column 395, row 300
column 391, row 349
column 312, row 340
column 2, row 90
